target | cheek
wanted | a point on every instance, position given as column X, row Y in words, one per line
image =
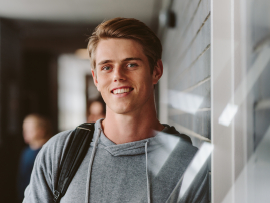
column 102, row 82
column 98, row 88
column 101, row 87
column 105, row 94
column 148, row 82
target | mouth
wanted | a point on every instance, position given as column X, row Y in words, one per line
column 121, row 90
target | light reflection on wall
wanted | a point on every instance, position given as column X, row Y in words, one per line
column 186, row 102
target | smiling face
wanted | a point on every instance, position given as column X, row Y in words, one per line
column 123, row 75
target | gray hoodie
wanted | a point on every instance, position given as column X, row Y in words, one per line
column 143, row 171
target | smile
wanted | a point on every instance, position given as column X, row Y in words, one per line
column 122, row 90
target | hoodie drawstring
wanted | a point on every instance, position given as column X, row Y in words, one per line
column 87, row 193
column 148, row 184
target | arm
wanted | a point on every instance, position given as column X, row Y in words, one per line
column 44, row 174
column 40, row 187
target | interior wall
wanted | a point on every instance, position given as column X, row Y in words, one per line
column 258, row 40
column 186, row 57
column 10, row 109
column 240, row 100
column 185, row 87
column 72, row 102
column 28, row 84
column 40, row 84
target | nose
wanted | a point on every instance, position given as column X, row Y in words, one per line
column 119, row 74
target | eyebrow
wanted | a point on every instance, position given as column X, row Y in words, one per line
column 126, row 59
column 130, row 59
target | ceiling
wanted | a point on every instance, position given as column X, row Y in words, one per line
column 82, row 11
column 64, row 25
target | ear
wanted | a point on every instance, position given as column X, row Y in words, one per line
column 157, row 72
column 95, row 78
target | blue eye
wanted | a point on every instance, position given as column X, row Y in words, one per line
column 132, row 65
column 106, row 68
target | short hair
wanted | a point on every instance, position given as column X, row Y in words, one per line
column 41, row 122
column 127, row 28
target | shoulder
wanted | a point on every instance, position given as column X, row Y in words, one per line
column 178, row 145
column 59, row 140
column 185, row 139
column 183, row 150
column 50, row 155
column 57, row 143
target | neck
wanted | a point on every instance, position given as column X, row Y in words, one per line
column 133, row 126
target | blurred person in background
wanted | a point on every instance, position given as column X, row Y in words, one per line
column 37, row 130
column 96, row 110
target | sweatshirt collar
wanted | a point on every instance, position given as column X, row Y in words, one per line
column 127, row 149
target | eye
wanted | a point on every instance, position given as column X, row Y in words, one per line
column 132, row 65
column 106, row 68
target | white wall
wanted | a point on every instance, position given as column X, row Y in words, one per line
column 185, row 87
column 219, row 52
column 240, row 83
column 71, row 92
column 186, row 55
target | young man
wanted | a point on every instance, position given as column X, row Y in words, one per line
column 131, row 159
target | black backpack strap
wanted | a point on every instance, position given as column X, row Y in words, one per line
column 75, row 152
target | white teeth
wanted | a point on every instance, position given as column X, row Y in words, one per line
column 120, row 91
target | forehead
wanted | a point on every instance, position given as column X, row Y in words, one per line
column 117, row 49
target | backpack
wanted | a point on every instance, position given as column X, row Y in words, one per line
column 75, row 152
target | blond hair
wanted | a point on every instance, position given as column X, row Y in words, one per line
column 127, row 28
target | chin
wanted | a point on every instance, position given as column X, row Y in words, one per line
column 121, row 109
